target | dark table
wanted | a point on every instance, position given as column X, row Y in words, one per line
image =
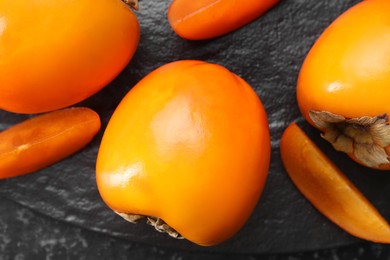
column 26, row 234
column 283, row 38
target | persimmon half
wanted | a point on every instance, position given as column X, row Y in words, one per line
column 328, row 189
column 343, row 87
column 189, row 148
column 205, row 19
column 57, row 53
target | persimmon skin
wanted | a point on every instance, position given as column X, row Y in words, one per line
column 328, row 189
column 45, row 139
column 205, row 19
column 188, row 144
column 57, row 53
column 347, row 71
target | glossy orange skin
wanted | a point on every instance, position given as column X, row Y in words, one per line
column 347, row 71
column 45, row 139
column 56, row 53
column 205, row 19
column 188, row 144
column 328, row 189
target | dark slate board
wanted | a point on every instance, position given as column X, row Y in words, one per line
column 268, row 54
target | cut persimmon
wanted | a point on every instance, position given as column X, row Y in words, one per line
column 45, row 139
column 206, row 19
column 326, row 187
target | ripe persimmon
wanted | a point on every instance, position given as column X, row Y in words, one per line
column 45, row 139
column 57, row 53
column 343, row 87
column 205, row 19
column 188, row 148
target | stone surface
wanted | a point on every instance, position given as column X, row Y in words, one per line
column 28, row 235
column 268, row 54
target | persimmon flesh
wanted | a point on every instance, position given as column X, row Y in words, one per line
column 57, row 53
column 45, row 139
column 189, row 148
column 205, row 19
column 328, row 189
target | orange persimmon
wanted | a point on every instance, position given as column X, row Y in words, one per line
column 188, row 148
column 57, row 53
column 343, row 87
column 327, row 188
column 205, row 19
column 45, row 139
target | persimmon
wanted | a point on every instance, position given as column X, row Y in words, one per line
column 205, row 19
column 343, row 84
column 57, row 53
column 45, row 139
column 328, row 189
column 189, row 148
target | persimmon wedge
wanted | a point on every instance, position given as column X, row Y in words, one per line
column 45, row 139
column 326, row 187
column 206, row 19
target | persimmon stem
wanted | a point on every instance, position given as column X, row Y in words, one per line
column 365, row 137
column 132, row 3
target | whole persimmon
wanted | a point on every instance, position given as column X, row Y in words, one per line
column 189, row 148
column 343, row 87
column 57, row 53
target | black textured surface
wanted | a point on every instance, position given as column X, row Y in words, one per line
column 267, row 54
column 25, row 234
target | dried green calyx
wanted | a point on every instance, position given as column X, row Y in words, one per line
column 365, row 137
column 157, row 223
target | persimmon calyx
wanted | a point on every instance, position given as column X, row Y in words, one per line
column 157, row 223
column 163, row 227
column 132, row 3
column 365, row 137
column 132, row 218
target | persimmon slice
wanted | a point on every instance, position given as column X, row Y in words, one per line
column 326, row 187
column 45, row 139
column 206, row 19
